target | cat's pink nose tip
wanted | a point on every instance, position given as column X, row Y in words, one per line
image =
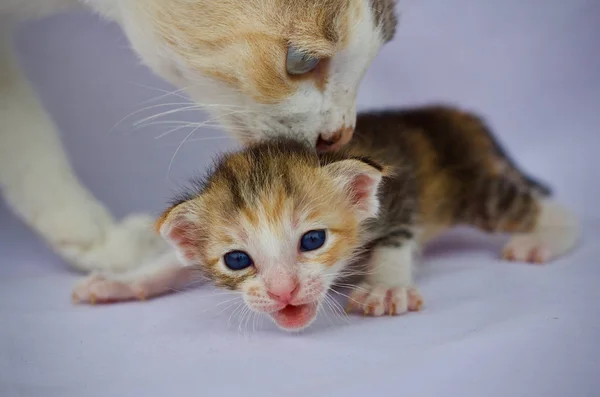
column 334, row 140
column 283, row 294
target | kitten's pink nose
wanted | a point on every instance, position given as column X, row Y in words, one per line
column 284, row 290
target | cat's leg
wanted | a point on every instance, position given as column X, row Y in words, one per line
column 541, row 228
column 164, row 275
column 42, row 189
column 389, row 285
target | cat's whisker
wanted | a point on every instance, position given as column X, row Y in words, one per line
column 165, row 94
column 188, row 136
column 192, row 105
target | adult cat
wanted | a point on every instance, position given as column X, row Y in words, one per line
column 292, row 67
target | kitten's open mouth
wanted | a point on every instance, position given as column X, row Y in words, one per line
column 295, row 317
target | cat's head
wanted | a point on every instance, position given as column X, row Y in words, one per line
column 277, row 223
column 265, row 67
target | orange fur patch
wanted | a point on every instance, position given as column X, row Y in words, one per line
column 247, row 50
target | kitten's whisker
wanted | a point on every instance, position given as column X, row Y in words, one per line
column 227, row 301
column 336, row 308
column 237, row 308
column 346, row 296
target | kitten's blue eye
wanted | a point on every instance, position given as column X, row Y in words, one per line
column 312, row 240
column 298, row 62
column 237, row 260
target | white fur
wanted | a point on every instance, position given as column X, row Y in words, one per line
column 389, row 286
column 556, row 233
column 40, row 185
column 319, row 112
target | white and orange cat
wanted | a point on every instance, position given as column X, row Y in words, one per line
column 292, row 67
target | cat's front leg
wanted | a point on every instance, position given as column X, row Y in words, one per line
column 389, row 286
column 39, row 184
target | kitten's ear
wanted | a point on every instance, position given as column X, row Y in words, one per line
column 180, row 225
column 360, row 178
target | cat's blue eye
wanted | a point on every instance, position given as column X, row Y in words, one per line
column 312, row 240
column 237, row 260
column 298, row 62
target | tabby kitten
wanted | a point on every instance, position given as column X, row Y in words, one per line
column 282, row 224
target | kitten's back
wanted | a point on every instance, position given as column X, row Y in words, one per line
column 444, row 150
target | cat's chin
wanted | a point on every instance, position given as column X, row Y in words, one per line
column 295, row 318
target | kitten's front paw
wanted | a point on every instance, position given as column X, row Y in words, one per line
column 380, row 299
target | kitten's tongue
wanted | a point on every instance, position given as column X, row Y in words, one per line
column 294, row 317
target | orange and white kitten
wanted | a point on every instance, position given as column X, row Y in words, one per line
column 282, row 224
column 275, row 67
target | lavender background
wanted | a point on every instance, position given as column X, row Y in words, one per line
column 488, row 328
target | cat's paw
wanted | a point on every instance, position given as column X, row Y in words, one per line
column 380, row 299
column 72, row 224
column 123, row 246
column 161, row 277
column 104, row 289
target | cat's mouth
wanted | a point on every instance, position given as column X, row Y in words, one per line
column 293, row 318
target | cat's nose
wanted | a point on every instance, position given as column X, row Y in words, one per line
column 334, row 140
column 284, row 292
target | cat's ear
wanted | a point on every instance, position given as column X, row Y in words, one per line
column 180, row 226
column 360, row 179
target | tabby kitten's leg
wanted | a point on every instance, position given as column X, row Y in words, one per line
column 541, row 228
column 389, row 286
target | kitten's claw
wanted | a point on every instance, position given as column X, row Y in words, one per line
column 382, row 299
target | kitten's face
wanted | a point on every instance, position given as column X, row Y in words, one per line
column 277, row 227
column 273, row 67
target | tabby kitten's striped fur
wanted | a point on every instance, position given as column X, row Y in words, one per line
column 296, row 222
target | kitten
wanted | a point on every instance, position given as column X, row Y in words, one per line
column 282, row 224
column 264, row 68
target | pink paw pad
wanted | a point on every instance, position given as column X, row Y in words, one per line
column 380, row 299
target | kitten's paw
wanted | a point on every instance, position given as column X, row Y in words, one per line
column 377, row 300
column 557, row 232
column 527, row 248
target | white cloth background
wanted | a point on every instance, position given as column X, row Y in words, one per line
column 488, row 328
